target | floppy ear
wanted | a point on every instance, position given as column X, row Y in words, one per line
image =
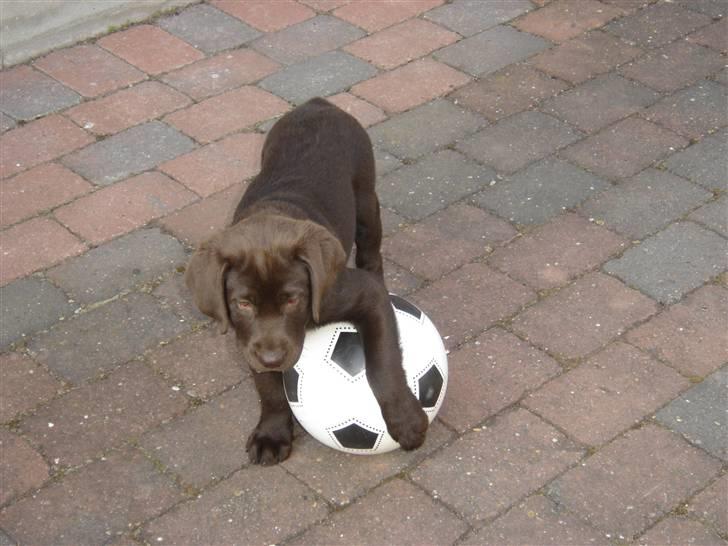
column 324, row 257
column 205, row 277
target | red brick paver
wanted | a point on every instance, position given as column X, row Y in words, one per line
column 410, row 85
column 564, row 19
column 447, row 240
column 652, row 456
column 425, row 522
column 25, row 385
column 127, row 108
column 373, row 15
column 490, row 373
column 33, row 245
column 112, row 493
column 264, row 15
column 21, row 467
column 124, row 206
column 485, row 471
column 252, row 506
column 39, row 141
column 150, row 48
column 86, row 422
column 608, row 394
column 200, row 221
column 685, row 336
column 223, row 72
column 223, row 114
column 555, row 253
column 89, row 70
column 365, row 113
column 401, row 43
column 583, row 316
column 38, row 189
column 219, row 165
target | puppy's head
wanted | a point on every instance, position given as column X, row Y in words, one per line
column 266, row 276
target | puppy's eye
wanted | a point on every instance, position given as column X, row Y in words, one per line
column 292, row 301
column 245, row 305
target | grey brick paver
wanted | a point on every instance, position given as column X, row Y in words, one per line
column 657, row 25
column 600, row 102
column 713, row 215
column 121, row 264
column 324, row 75
column 468, row 17
column 703, row 162
column 416, row 191
column 612, row 153
column 424, row 129
column 307, row 39
column 693, row 112
column 645, row 203
column 491, row 50
column 700, row 414
column 208, row 29
column 672, row 262
column 518, row 140
column 26, row 94
column 29, row 305
column 129, row 152
column 540, row 192
column 674, row 66
column 105, row 337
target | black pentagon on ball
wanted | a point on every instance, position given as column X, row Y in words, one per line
column 348, row 353
column 405, row 306
column 354, row 436
column 290, row 384
column 430, row 386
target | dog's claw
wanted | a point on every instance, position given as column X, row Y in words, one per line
column 407, row 424
column 269, row 447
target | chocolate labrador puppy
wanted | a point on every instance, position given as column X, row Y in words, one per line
column 280, row 268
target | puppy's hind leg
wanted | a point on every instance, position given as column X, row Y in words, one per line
column 368, row 220
column 369, row 234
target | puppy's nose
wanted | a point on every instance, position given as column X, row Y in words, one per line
column 271, row 358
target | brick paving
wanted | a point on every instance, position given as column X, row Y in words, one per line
column 553, row 176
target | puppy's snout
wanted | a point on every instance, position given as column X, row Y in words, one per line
column 271, row 357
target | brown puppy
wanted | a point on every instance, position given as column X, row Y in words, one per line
column 280, row 269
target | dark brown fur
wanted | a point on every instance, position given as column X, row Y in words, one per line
column 280, row 269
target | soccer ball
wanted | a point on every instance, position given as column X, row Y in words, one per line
column 328, row 391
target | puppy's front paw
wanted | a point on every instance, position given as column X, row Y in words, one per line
column 407, row 423
column 269, row 444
